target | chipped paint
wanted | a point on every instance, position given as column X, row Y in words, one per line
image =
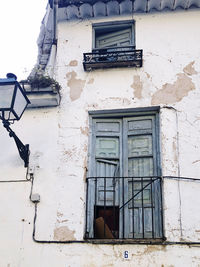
column 189, row 69
column 63, row 233
column 148, row 75
column 63, row 162
column 171, row 93
column 137, row 86
column 75, row 85
column 91, row 81
column 84, row 130
column 121, row 100
column 59, row 214
column 73, row 63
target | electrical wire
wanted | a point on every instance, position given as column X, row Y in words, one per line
column 107, row 241
column 114, row 241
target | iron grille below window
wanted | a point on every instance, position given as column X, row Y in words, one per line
column 125, row 56
column 124, row 207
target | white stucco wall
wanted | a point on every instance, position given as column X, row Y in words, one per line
column 58, row 139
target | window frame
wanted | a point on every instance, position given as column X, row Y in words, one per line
column 103, row 26
column 120, row 114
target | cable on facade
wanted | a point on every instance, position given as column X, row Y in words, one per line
column 111, row 241
column 14, row 181
column 18, row 181
column 107, row 242
column 182, row 178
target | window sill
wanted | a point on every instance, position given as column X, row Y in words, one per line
column 156, row 241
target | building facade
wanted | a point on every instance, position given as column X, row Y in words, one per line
column 113, row 176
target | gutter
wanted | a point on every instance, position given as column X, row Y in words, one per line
column 52, row 57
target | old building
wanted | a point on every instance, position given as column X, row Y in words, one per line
column 113, row 175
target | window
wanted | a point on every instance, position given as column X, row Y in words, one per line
column 113, row 46
column 123, row 185
column 113, row 35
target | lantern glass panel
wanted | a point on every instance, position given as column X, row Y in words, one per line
column 8, row 115
column 20, row 103
column 6, row 95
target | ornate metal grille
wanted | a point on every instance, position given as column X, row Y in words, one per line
column 124, row 207
column 125, row 56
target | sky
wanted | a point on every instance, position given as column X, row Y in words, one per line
column 20, row 22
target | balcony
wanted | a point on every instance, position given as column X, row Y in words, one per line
column 124, row 208
column 126, row 56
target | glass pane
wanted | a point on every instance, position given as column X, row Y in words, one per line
column 8, row 115
column 114, row 38
column 6, row 93
column 140, row 145
column 107, row 147
column 135, row 188
column 20, row 103
column 140, row 167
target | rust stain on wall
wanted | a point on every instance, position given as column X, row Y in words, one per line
column 73, row 63
column 137, row 86
column 75, row 85
column 171, row 93
column 189, row 69
column 63, row 233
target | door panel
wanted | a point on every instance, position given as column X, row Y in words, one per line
column 107, row 147
column 139, row 145
column 143, row 202
column 105, row 166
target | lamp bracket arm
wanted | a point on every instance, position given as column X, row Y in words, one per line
column 23, row 149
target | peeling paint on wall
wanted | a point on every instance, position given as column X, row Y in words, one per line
column 137, row 86
column 148, row 75
column 63, row 233
column 59, row 214
column 189, row 69
column 91, row 81
column 75, row 85
column 73, row 63
column 174, row 144
column 84, row 130
column 121, row 100
column 171, row 93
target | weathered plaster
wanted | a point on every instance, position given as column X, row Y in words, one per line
column 172, row 93
column 63, row 233
column 137, row 86
column 91, row 81
column 84, row 130
column 73, row 63
column 61, row 154
column 75, row 85
column 189, row 69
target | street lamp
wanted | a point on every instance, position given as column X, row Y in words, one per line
column 13, row 102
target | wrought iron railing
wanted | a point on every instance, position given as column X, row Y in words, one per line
column 126, row 56
column 124, row 207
